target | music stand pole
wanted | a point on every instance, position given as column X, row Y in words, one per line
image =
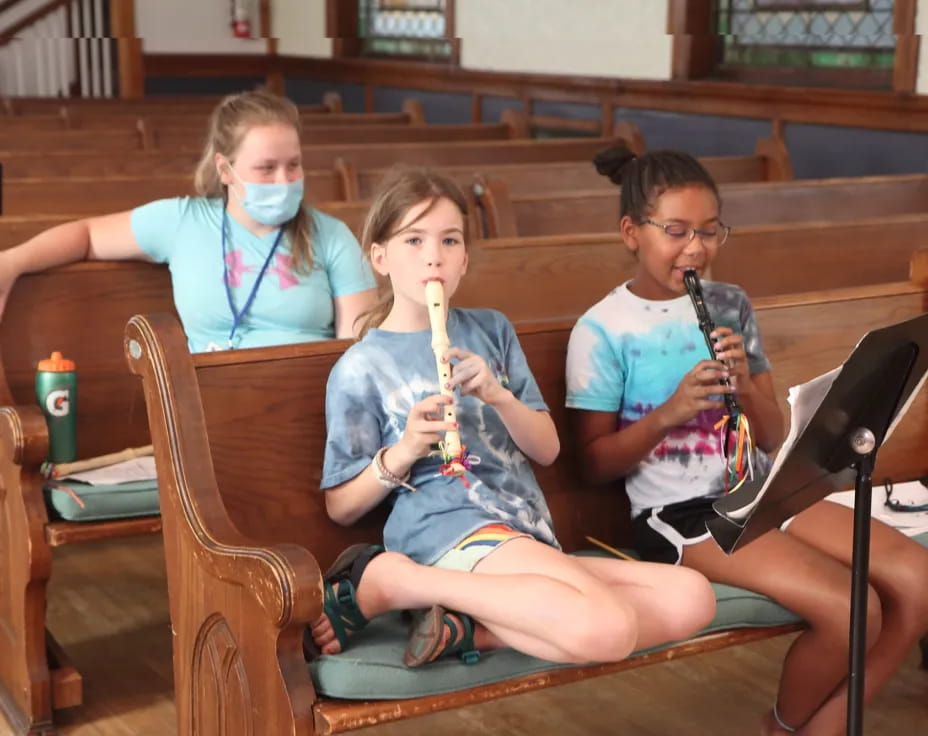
column 863, row 443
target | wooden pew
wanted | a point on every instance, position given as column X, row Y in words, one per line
column 86, row 195
column 192, row 125
column 15, row 229
column 192, row 122
column 770, row 162
column 81, row 310
column 764, row 260
column 80, row 195
column 66, row 163
column 561, row 275
column 555, row 176
column 246, row 536
column 140, row 134
column 597, row 210
column 78, row 311
column 198, row 104
column 122, row 139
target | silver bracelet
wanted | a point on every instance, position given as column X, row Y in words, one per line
column 386, row 478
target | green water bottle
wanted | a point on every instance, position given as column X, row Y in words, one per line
column 56, row 390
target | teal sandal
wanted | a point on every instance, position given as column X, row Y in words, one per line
column 339, row 603
column 427, row 633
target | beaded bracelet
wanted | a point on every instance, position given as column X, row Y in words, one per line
column 386, row 478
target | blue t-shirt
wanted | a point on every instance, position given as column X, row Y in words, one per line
column 368, row 397
column 628, row 355
column 289, row 307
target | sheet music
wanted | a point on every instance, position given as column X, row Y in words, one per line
column 135, row 469
column 804, row 400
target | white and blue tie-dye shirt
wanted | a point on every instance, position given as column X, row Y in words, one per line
column 368, row 397
column 628, row 355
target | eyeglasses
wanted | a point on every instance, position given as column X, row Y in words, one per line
column 895, row 505
column 683, row 234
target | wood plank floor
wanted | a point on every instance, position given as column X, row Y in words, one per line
column 108, row 608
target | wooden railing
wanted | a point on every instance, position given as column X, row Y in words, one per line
column 69, row 48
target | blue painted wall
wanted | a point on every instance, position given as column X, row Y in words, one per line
column 155, row 86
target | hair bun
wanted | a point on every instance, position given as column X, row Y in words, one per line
column 611, row 162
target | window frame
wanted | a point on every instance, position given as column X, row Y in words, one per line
column 342, row 21
column 695, row 54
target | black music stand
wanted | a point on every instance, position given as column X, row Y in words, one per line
column 838, row 443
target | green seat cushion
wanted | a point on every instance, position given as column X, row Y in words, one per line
column 372, row 667
column 100, row 502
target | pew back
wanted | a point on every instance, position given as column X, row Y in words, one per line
column 87, row 195
column 267, row 444
column 597, row 210
column 63, row 163
column 80, row 311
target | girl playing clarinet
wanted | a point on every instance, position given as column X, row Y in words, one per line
column 651, row 403
column 469, row 540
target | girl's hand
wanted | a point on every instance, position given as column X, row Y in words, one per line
column 692, row 395
column 474, row 377
column 424, row 428
column 729, row 348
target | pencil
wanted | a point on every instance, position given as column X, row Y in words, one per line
column 612, row 550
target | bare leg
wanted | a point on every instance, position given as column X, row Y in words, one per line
column 898, row 573
column 528, row 595
column 810, row 583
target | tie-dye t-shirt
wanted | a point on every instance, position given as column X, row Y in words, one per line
column 628, row 355
column 368, row 397
column 288, row 307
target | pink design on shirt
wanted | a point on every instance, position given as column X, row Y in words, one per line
column 284, row 270
column 235, row 267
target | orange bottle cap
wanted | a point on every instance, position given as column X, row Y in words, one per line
column 56, row 364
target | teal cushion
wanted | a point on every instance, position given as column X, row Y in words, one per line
column 100, row 502
column 372, row 668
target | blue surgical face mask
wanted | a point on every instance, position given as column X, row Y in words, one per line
column 270, row 204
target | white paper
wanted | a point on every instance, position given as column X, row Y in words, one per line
column 804, row 401
column 912, row 493
column 136, row 469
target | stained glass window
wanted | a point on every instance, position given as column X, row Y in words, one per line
column 416, row 28
column 807, row 34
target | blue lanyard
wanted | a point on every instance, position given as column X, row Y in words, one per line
column 237, row 317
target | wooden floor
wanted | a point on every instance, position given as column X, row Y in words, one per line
column 108, row 607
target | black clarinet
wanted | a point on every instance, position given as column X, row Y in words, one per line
column 694, row 289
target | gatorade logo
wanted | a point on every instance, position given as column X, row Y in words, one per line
column 58, row 403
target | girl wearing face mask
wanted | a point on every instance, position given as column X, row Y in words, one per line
column 250, row 264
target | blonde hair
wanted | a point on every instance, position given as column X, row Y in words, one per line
column 229, row 123
column 402, row 188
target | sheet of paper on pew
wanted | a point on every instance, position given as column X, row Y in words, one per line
column 136, row 469
column 912, row 493
column 804, row 401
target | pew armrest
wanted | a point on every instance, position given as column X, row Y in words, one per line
column 284, row 578
column 23, row 435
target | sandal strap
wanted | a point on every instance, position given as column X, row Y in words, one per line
column 342, row 609
column 461, row 641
